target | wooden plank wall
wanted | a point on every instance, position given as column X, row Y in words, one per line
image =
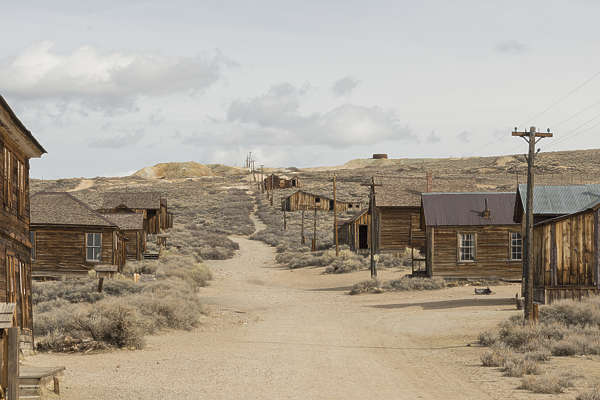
column 565, row 257
column 394, row 231
column 62, row 251
column 134, row 243
column 492, row 258
column 307, row 201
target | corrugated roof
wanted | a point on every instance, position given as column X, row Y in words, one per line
column 61, row 208
column 559, row 200
column 136, row 200
column 133, row 221
column 466, row 209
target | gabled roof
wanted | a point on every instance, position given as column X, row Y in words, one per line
column 134, row 200
column 466, row 209
column 61, row 208
column 560, row 200
column 133, row 221
column 31, row 147
column 406, row 192
column 328, row 195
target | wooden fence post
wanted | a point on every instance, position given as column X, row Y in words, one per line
column 12, row 390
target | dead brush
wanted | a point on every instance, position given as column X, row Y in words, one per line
column 592, row 394
column 548, row 383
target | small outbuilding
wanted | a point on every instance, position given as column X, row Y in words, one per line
column 132, row 228
column 150, row 204
column 273, row 181
column 566, row 256
column 302, row 200
column 472, row 235
column 356, row 232
column 69, row 239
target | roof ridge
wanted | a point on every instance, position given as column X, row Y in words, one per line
column 87, row 207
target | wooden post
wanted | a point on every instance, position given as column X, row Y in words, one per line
column 372, row 250
column 314, row 239
column 528, row 267
column 12, row 389
column 335, row 227
column 302, row 239
column 100, row 284
column 284, row 221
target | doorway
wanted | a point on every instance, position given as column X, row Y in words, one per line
column 363, row 237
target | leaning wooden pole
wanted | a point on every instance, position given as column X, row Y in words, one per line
column 302, row 239
column 335, row 227
column 314, row 239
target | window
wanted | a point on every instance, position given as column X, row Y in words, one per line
column 516, row 246
column 317, row 199
column 466, row 243
column 20, row 188
column 7, row 178
column 93, row 245
column 32, row 240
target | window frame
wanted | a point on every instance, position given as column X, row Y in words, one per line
column 88, row 246
column 511, row 246
column 460, row 247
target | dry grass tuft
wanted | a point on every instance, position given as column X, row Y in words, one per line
column 554, row 383
column 593, row 394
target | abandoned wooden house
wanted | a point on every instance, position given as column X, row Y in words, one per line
column 551, row 201
column 18, row 146
column 69, row 239
column 356, row 232
column 132, row 227
column 150, row 204
column 302, row 200
column 273, row 181
column 472, row 235
column 566, row 256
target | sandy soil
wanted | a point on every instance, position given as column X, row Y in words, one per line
column 273, row 333
column 84, row 184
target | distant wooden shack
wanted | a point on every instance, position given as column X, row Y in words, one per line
column 302, row 200
column 397, row 218
column 472, row 235
column 356, row 232
column 132, row 228
column 567, row 257
column 17, row 147
column 150, row 204
column 69, row 238
column 273, row 181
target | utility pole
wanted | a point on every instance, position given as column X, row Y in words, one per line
column 372, row 213
column 272, row 189
column 531, row 137
column 314, row 239
column 335, row 227
column 262, row 178
column 302, row 239
column 284, row 221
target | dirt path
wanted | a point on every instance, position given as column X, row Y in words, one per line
column 278, row 334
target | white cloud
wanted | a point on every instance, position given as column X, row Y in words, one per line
column 104, row 79
column 344, row 86
column 275, row 117
column 118, row 141
column 464, row 136
column 511, row 47
column 433, row 138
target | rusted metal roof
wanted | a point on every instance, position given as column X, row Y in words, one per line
column 467, row 209
column 561, row 200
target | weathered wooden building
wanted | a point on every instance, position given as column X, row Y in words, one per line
column 356, row 232
column 132, row 227
column 150, row 204
column 397, row 218
column 69, row 238
column 566, row 256
column 279, row 182
column 472, row 235
column 302, row 200
column 17, row 147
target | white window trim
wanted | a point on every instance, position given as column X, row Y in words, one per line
column 87, row 246
column 510, row 247
column 459, row 247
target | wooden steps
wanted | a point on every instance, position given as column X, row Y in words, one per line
column 151, row 256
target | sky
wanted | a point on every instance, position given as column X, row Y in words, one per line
column 110, row 87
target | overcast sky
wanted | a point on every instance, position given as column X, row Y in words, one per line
column 111, row 88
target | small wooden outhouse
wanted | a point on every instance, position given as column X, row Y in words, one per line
column 132, row 228
column 356, row 232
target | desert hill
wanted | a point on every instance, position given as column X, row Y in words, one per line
column 190, row 169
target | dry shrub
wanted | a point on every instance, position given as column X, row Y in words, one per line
column 549, row 383
column 516, row 365
column 495, row 356
column 346, row 262
column 370, row 286
column 593, row 394
column 487, row 338
column 408, row 283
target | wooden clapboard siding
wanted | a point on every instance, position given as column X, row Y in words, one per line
column 394, row 228
column 61, row 250
column 565, row 255
column 348, row 233
column 492, row 252
column 308, row 201
column 135, row 243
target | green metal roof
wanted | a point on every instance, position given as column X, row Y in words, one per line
column 560, row 200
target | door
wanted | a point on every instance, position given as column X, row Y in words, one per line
column 331, row 204
column 363, row 236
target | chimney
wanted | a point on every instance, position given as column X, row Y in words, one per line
column 486, row 212
column 429, row 182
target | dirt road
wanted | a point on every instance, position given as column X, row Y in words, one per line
column 277, row 334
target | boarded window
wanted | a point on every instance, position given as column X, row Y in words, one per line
column 32, row 240
column 516, row 246
column 93, row 245
column 466, row 243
